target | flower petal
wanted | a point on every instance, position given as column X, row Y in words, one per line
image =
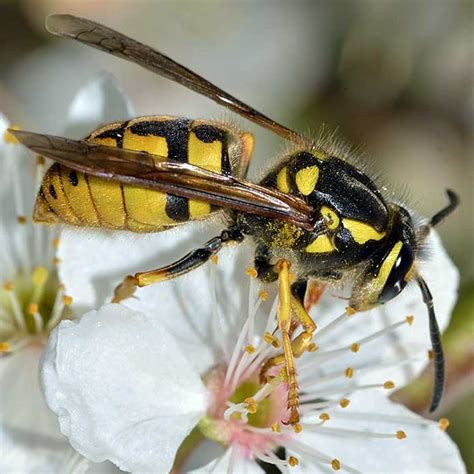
column 22, row 406
column 425, row 449
column 121, row 388
column 230, row 462
column 94, row 262
column 99, row 102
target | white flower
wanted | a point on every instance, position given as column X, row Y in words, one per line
column 129, row 386
column 32, row 298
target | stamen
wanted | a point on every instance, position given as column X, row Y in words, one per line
column 214, row 259
column 388, row 385
column 276, row 428
column 443, row 424
column 343, row 432
column 344, row 403
column 58, row 308
column 263, row 295
column 4, row 346
column 216, row 313
column 39, row 278
column 292, row 461
column 17, row 312
column 355, row 347
column 249, row 349
column 349, row 372
column 251, row 272
column 317, row 456
column 332, row 325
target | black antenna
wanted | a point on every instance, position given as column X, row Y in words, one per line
column 441, row 215
column 436, row 345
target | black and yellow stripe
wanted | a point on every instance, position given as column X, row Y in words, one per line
column 78, row 199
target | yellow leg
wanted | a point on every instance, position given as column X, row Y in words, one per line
column 284, row 325
column 291, row 349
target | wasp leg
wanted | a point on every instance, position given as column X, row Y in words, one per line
column 299, row 345
column 189, row 262
column 284, row 325
column 265, row 270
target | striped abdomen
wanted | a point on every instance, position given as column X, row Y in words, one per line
column 75, row 198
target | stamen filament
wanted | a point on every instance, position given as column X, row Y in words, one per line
column 331, row 326
column 17, row 311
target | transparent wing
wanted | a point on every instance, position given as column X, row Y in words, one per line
column 104, row 38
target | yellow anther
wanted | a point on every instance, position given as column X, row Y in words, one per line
column 56, row 261
column 401, row 434
column 40, row 161
column 249, row 349
column 349, row 372
column 336, row 464
column 324, row 417
column 388, row 385
column 268, row 338
column 55, row 242
column 251, row 405
column 297, row 428
column 33, row 308
column 292, row 277
column 313, row 347
column 4, row 346
column 443, row 424
column 8, row 136
column 350, row 311
column 344, row 403
column 263, row 295
column 21, row 219
column 409, row 320
column 283, row 375
column 214, row 259
column 276, row 343
column 40, row 275
column 8, row 286
column 292, row 461
column 251, row 272
column 430, row 355
column 276, row 428
column 67, row 300
column 355, row 347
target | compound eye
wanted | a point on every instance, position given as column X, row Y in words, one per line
column 396, row 280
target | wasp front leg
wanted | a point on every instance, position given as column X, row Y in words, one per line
column 189, row 262
column 291, row 348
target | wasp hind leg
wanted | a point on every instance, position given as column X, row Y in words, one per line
column 189, row 262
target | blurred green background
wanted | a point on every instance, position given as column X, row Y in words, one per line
column 394, row 77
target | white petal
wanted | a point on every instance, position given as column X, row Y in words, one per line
column 230, row 462
column 94, row 262
column 121, row 388
column 99, row 102
column 406, row 342
column 426, row 448
column 22, row 406
column 30, row 454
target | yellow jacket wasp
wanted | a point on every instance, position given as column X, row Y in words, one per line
column 314, row 210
